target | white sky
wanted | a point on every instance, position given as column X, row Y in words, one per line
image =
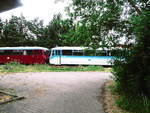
column 43, row 9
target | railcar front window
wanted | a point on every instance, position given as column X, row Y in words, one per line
column 52, row 53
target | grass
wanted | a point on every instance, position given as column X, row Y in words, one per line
column 14, row 67
column 119, row 103
column 140, row 104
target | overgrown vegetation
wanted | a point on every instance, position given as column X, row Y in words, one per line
column 132, row 74
column 123, row 103
column 115, row 102
column 14, row 67
column 109, row 99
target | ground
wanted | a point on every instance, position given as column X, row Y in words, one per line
column 55, row 92
column 4, row 97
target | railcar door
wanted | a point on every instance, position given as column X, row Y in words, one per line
column 36, row 56
column 55, row 57
column 28, row 57
column 58, row 56
column 39, row 57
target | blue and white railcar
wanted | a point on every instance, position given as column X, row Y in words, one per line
column 79, row 56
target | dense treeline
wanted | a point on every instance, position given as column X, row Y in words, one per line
column 17, row 31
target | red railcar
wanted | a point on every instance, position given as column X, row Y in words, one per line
column 24, row 55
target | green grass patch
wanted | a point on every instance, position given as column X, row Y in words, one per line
column 134, row 104
column 14, row 67
column 130, row 104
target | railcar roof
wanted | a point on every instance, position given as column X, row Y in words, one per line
column 22, row 48
column 69, row 48
column 76, row 48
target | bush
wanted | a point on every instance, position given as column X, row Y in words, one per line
column 132, row 74
column 134, row 104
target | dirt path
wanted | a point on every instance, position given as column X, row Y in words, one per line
column 55, row 92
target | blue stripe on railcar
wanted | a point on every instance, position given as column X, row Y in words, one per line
column 82, row 57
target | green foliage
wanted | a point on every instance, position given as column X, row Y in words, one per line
column 132, row 74
column 56, row 29
column 33, row 32
column 79, row 36
column 93, row 68
column 129, row 104
column 13, row 30
column 94, row 22
column 134, row 104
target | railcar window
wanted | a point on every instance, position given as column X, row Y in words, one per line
column 37, row 52
column 2, row 52
column 66, row 52
column 6, row 52
column 78, row 52
column 89, row 53
column 57, row 52
column 101, row 53
column 108, row 53
column 17, row 52
column 46, row 52
column 40, row 52
column 29, row 52
column 11, row 52
column 113, row 52
column 52, row 52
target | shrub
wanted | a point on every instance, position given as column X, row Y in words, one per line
column 132, row 74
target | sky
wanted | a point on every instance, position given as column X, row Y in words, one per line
column 42, row 9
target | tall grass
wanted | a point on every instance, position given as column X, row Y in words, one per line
column 16, row 67
column 12, row 67
column 131, row 103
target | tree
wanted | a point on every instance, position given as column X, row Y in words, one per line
column 13, row 30
column 35, row 32
column 78, row 35
column 100, row 18
column 1, row 31
column 56, row 29
column 17, row 31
